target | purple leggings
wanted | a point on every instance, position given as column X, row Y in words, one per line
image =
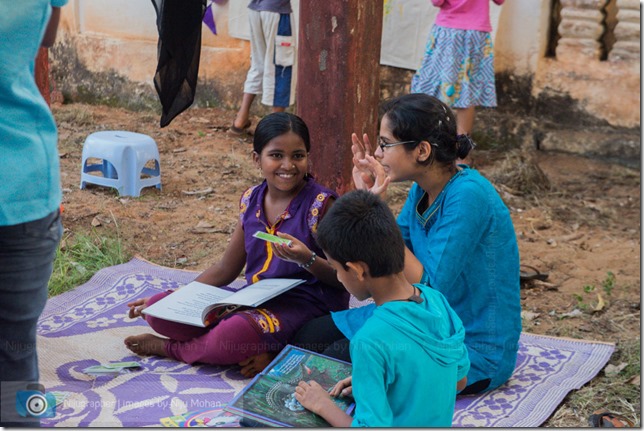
column 231, row 341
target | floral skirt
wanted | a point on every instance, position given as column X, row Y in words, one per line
column 457, row 68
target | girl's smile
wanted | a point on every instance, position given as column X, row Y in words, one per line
column 284, row 162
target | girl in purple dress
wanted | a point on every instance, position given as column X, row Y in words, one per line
column 288, row 203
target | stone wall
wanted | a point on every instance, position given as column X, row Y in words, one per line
column 597, row 61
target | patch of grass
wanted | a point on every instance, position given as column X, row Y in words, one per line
column 609, row 283
column 75, row 115
column 79, row 257
column 487, row 141
column 581, row 304
column 520, row 172
column 615, row 393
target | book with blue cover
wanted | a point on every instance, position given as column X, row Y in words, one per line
column 269, row 399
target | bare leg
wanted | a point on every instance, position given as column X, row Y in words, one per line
column 256, row 364
column 464, row 124
column 464, row 120
column 244, row 111
column 146, row 344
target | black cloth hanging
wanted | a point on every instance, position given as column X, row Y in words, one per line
column 178, row 52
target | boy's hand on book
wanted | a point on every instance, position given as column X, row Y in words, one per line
column 313, row 397
column 343, row 388
column 136, row 307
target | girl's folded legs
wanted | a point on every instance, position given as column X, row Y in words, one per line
column 231, row 341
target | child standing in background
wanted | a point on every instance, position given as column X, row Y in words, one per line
column 409, row 358
column 289, row 203
column 458, row 66
column 272, row 58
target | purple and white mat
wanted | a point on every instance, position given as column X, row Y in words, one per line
column 87, row 327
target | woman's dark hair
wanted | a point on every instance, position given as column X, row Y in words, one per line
column 419, row 117
column 276, row 124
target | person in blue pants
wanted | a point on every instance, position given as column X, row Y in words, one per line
column 30, row 196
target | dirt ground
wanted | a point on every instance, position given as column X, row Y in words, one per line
column 581, row 230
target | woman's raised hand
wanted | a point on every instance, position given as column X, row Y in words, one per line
column 362, row 177
column 368, row 173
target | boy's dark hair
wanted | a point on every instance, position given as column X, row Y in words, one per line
column 360, row 227
column 419, row 117
column 276, row 124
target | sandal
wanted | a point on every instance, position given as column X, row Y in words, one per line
column 606, row 419
column 239, row 131
column 527, row 273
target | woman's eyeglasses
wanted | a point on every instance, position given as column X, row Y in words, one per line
column 384, row 144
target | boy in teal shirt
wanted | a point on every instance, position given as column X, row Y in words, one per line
column 409, row 359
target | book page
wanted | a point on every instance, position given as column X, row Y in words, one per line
column 262, row 291
column 186, row 304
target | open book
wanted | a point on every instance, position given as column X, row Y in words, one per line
column 200, row 304
column 269, row 398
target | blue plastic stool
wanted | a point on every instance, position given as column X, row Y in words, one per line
column 123, row 158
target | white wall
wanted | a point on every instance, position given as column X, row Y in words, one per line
column 522, row 35
column 517, row 27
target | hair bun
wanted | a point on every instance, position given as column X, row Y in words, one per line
column 464, row 144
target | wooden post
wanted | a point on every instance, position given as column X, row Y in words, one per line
column 338, row 81
column 42, row 74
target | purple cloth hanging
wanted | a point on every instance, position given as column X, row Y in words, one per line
column 209, row 19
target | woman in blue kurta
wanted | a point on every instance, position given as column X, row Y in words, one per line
column 458, row 232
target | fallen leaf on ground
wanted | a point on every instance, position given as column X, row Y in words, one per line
column 636, row 380
column 613, row 370
column 600, row 303
column 571, row 237
column 529, row 316
column 96, row 222
column 545, row 284
column 203, row 225
column 197, row 192
column 574, row 313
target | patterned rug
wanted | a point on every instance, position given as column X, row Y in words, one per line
column 86, row 327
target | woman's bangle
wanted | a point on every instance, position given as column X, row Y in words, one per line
column 308, row 264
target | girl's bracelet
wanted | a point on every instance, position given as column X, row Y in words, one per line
column 308, row 264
